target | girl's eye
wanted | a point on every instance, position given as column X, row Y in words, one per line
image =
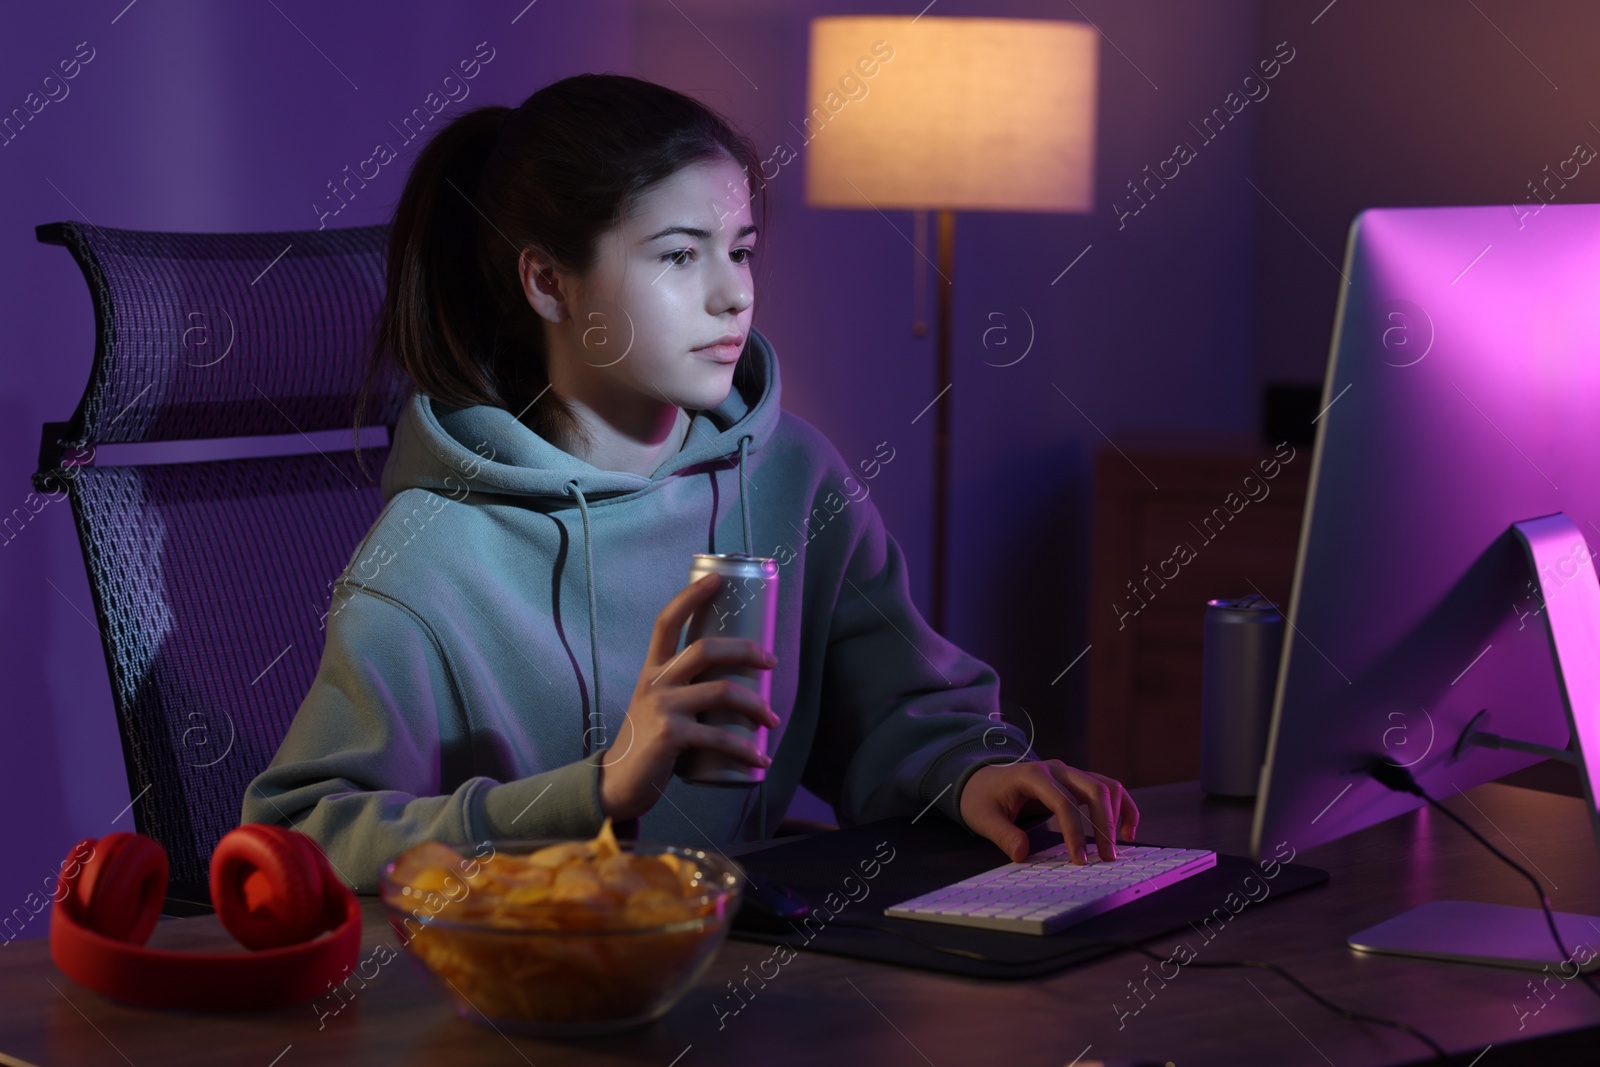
column 680, row 257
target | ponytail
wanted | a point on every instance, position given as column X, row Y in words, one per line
column 438, row 322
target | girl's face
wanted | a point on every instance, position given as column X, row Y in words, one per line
column 671, row 280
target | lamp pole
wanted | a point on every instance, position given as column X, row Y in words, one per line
column 941, row 417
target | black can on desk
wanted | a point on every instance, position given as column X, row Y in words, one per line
column 1243, row 642
column 746, row 605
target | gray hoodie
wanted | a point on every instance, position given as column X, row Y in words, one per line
column 485, row 638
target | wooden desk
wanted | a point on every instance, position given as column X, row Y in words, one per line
column 827, row 1010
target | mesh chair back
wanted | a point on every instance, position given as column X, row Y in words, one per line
column 211, row 579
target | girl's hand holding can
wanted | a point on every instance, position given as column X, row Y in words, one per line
column 662, row 722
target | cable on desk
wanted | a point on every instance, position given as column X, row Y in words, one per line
column 1400, row 780
column 1138, row 946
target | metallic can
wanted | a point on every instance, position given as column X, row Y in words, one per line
column 1243, row 642
column 746, row 606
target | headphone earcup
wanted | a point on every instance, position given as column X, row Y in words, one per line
column 69, row 892
column 267, row 886
column 122, row 887
column 319, row 859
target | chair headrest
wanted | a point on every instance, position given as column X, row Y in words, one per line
column 208, row 335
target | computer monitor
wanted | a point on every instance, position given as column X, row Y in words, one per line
column 1445, row 615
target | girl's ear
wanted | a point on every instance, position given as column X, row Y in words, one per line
column 541, row 287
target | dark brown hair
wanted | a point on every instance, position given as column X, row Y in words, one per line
column 554, row 173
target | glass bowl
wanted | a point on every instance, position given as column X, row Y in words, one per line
column 560, row 969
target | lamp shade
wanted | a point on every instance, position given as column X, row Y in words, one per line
column 976, row 114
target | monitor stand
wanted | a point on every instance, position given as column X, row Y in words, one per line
column 1496, row 934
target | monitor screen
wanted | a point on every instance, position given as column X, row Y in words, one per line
column 1462, row 396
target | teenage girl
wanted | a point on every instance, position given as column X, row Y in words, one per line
column 570, row 290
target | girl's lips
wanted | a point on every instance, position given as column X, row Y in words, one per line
column 721, row 353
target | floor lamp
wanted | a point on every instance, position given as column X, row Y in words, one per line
column 946, row 115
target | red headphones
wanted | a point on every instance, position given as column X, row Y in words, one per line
column 273, row 889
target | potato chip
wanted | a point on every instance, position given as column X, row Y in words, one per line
column 430, row 855
column 553, row 856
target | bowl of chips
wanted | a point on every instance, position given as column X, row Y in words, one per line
column 561, row 938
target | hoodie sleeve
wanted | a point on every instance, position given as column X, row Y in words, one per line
column 907, row 716
column 361, row 769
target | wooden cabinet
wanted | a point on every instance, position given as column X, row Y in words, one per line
column 1178, row 520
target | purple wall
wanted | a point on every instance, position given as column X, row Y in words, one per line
column 1430, row 102
column 189, row 117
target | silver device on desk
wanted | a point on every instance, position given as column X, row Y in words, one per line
column 1444, row 586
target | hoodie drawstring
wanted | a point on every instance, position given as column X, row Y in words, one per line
column 744, row 504
column 595, row 735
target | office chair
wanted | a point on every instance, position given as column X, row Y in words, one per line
column 211, row 578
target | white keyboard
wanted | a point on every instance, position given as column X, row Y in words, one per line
column 1047, row 891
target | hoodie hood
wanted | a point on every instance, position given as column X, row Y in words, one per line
column 442, row 448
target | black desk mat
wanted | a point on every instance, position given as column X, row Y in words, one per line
column 867, row 868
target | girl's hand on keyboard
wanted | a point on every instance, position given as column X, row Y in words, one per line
column 995, row 795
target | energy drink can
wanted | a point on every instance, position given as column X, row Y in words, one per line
column 1242, row 643
column 746, row 606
